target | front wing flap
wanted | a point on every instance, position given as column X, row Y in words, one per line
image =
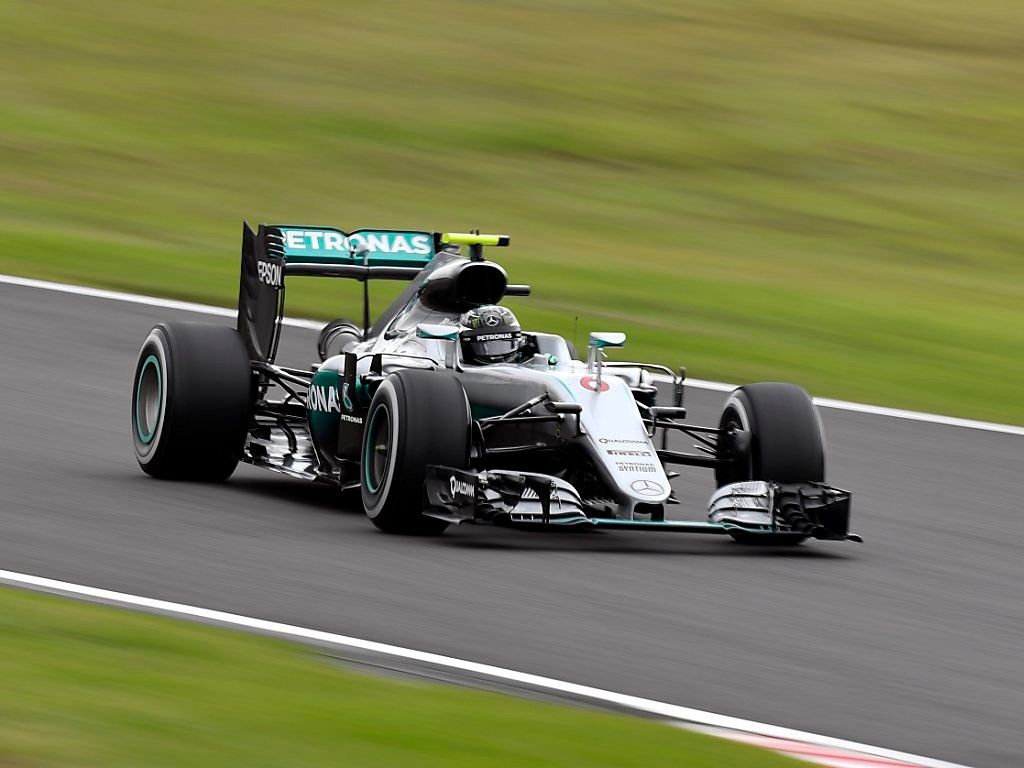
column 502, row 498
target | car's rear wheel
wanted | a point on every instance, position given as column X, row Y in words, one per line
column 191, row 401
column 786, row 444
column 416, row 418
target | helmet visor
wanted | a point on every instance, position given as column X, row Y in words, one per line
column 492, row 347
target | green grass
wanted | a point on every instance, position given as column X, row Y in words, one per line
column 761, row 189
column 92, row 686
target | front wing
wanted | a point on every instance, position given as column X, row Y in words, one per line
column 501, row 497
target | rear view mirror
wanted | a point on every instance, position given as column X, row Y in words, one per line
column 598, row 343
column 602, row 340
column 441, row 332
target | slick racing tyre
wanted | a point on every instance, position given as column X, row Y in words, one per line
column 191, row 401
column 786, row 444
column 416, row 418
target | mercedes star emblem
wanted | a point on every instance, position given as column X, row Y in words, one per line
column 491, row 320
column 646, row 487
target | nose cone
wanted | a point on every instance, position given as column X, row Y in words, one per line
column 618, row 439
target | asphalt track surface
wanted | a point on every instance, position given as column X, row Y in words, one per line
column 912, row 641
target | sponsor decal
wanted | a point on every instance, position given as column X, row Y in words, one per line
column 461, row 487
column 492, row 337
column 333, row 241
column 622, row 441
column 269, row 273
column 323, row 399
column 492, row 319
column 590, row 382
column 350, row 419
column 345, row 399
column 647, row 487
column 619, row 452
column 628, row 466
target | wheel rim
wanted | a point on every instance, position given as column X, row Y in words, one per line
column 148, row 400
column 377, row 449
column 732, row 419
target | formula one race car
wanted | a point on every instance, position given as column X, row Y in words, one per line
column 443, row 410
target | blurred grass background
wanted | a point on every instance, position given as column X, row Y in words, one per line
column 760, row 189
column 93, row 686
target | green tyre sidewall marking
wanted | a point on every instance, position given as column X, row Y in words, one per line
column 147, row 438
column 368, row 451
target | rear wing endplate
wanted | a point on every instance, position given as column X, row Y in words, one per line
column 261, row 293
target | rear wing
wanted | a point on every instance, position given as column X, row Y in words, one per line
column 273, row 252
column 362, row 254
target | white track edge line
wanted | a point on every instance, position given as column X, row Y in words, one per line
column 716, row 386
column 650, row 706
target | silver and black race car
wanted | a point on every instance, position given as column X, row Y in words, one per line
column 443, row 410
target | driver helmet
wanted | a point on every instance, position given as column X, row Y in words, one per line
column 491, row 334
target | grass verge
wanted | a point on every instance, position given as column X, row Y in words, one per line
column 94, row 686
column 760, row 189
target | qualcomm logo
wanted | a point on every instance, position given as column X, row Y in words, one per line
column 374, row 242
column 462, row 487
column 323, row 399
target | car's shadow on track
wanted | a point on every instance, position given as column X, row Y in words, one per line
column 618, row 543
column 315, row 496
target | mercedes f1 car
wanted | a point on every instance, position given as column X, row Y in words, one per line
column 442, row 410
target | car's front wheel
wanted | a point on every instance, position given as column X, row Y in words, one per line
column 786, row 444
column 416, row 418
